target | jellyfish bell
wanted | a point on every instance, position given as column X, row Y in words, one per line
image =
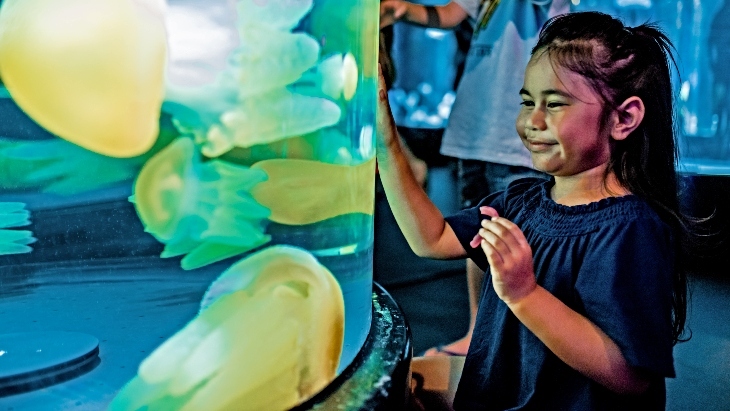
column 300, row 192
column 269, row 336
column 200, row 209
column 89, row 71
column 160, row 185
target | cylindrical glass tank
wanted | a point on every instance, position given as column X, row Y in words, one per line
column 227, row 145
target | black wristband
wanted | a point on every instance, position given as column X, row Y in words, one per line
column 433, row 19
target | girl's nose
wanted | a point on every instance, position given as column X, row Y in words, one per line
column 536, row 119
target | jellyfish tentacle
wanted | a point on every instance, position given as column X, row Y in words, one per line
column 15, row 241
column 14, row 214
column 255, row 99
column 258, row 120
column 63, row 168
column 272, row 59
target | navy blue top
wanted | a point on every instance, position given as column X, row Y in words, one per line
column 611, row 261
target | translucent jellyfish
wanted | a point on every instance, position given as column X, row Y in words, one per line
column 273, row 87
column 268, row 118
column 302, row 192
column 200, row 209
column 89, row 71
column 14, row 241
column 269, row 336
column 265, row 60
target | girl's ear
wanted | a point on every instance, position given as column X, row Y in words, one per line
column 627, row 117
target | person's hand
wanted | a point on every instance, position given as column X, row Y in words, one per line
column 392, row 11
column 489, row 212
column 386, row 131
column 510, row 259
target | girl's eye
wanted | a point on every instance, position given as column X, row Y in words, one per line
column 527, row 103
column 555, row 104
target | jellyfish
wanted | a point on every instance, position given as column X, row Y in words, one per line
column 14, row 214
column 59, row 167
column 265, row 60
column 275, row 85
column 88, row 71
column 334, row 77
column 360, row 21
column 327, row 145
column 201, row 209
column 15, row 170
column 268, row 118
column 268, row 336
column 302, row 192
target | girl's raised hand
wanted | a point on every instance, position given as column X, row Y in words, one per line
column 510, row 259
column 391, row 11
column 386, row 130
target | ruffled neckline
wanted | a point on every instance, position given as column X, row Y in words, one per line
column 552, row 218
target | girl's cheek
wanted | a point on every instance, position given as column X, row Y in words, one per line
column 520, row 125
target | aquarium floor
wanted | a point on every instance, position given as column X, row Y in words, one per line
column 433, row 297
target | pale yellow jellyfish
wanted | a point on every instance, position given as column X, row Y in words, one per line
column 89, row 71
column 268, row 337
column 202, row 209
column 302, row 192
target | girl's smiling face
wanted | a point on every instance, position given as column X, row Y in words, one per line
column 560, row 120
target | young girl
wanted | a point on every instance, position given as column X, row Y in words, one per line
column 587, row 296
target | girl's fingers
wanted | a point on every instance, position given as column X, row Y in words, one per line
column 486, row 210
column 497, row 243
column 384, row 118
column 493, row 257
column 508, row 231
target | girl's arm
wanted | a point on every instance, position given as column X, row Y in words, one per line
column 392, row 11
column 569, row 335
column 419, row 219
column 577, row 341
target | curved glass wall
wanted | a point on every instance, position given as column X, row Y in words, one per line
column 192, row 184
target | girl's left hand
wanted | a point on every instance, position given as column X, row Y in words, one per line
column 510, row 259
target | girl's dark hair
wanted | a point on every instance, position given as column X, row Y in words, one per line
column 619, row 62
